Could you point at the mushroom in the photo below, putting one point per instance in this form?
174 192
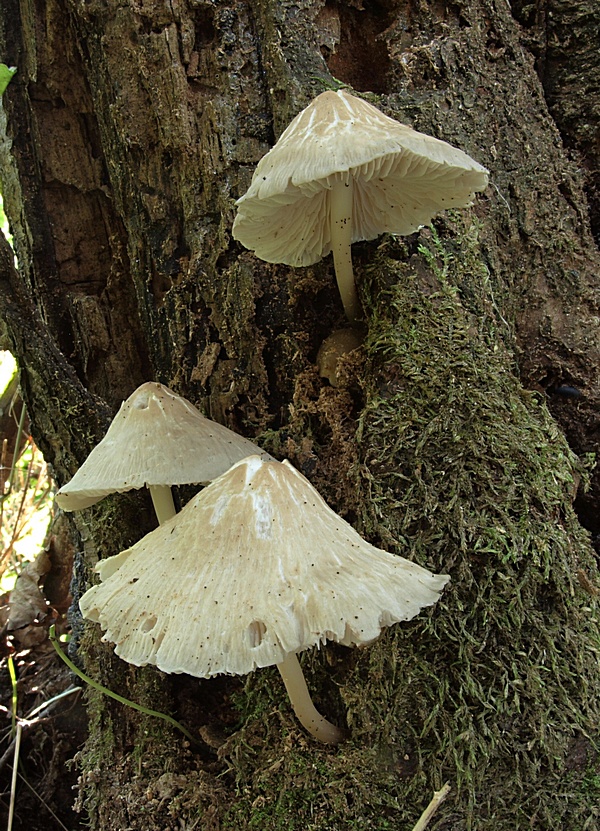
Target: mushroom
157 439
334 347
343 171
255 569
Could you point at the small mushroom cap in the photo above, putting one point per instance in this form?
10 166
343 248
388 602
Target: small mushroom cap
254 567
335 346
156 438
402 178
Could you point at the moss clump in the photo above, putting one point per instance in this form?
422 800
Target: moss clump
497 686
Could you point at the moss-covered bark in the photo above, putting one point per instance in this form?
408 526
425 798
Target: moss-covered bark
127 133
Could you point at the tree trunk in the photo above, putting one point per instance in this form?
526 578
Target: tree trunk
127 133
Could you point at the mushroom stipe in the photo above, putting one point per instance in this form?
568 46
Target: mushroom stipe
306 712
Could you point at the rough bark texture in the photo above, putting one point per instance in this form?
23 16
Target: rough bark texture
126 135
563 36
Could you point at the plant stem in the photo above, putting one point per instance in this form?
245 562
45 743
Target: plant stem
97 686
13 683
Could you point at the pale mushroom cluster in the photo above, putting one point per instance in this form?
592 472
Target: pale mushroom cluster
257 567
253 570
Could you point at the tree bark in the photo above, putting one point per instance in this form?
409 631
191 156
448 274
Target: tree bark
126 134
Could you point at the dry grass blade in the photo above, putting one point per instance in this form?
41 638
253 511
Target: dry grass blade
13 784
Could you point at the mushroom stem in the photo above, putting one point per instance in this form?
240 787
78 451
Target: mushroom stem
162 499
341 240
302 704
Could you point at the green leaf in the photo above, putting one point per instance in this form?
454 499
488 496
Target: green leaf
6 73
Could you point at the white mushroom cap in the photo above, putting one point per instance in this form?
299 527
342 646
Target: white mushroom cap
401 179
255 566
156 438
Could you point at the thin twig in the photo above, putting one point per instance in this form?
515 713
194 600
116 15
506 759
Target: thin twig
22 728
51 701
16 454
3 470
436 801
25 487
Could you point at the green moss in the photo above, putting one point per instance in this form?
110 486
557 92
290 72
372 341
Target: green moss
469 471
591 782
319 789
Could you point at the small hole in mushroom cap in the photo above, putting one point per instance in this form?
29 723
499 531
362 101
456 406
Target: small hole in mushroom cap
256 632
149 624
142 401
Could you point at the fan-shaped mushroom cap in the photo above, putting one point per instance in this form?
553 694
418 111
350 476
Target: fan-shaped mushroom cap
254 567
156 438
401 179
